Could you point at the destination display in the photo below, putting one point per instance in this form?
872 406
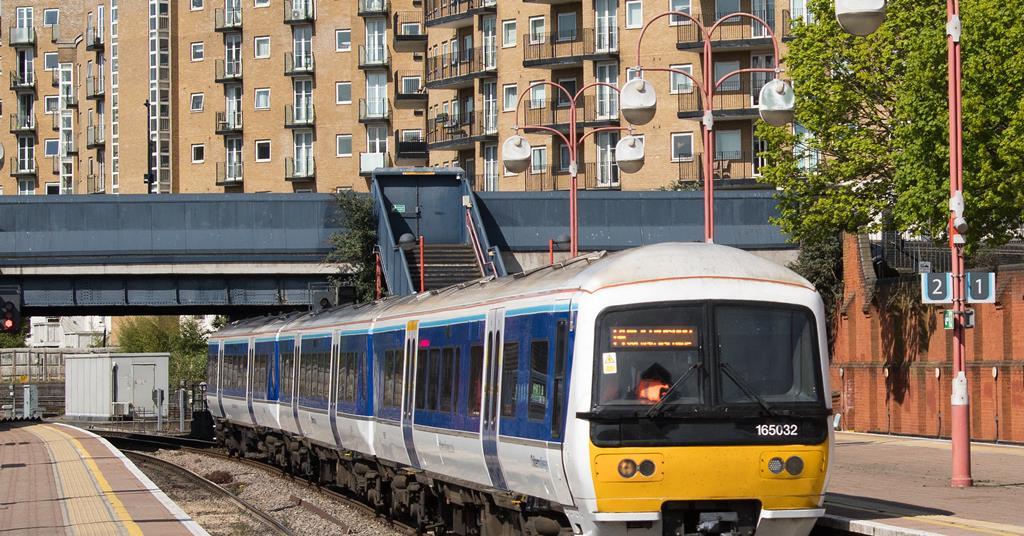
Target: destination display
650 337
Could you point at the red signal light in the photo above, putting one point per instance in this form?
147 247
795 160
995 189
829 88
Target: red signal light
8 324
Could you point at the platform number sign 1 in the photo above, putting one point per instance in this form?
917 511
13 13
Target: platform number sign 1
937 287
981 287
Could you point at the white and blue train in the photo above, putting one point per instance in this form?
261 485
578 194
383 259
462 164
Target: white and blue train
666 390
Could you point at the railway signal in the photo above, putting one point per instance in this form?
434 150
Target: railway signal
10 303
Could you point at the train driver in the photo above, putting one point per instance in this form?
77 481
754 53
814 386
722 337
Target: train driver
653 384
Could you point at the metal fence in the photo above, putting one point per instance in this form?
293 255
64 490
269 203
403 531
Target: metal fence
904 254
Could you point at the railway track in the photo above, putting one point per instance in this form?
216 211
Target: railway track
132 443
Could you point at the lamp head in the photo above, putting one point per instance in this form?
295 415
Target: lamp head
777 103
629 153
638 101
516 153
406 241
860 17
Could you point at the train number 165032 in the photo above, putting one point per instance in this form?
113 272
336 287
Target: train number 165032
777 429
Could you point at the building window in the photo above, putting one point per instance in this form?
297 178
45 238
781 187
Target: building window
343 40
343 93
537 30
723 68
51 147
632 73
508 33
510 94
570 86
410 28
344 145
682 146
263 98
538 94
53 188
198 153
680 83
679 5
51 103
51 17
197 101
566 26
564 158
198 51
728 145
261 45
263 150
412 135
27 187
538 159
50 61
197 5
410 84
634 14
261 3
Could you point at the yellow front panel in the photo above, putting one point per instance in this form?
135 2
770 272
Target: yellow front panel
708 473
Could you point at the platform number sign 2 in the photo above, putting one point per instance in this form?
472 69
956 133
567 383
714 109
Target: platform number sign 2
936 287
981 287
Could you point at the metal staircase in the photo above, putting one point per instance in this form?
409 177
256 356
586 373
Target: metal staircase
444 265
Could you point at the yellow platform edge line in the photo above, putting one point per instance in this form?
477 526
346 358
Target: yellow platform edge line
122 513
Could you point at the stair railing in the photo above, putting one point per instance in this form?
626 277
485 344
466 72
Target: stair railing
393 261
491 253
478 253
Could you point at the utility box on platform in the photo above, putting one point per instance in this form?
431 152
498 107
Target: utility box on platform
105 386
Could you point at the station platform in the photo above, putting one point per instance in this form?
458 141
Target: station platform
58 479
899 486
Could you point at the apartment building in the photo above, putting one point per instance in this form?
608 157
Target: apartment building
312 95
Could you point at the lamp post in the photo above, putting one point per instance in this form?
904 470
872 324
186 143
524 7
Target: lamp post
862 17
516 150
775 105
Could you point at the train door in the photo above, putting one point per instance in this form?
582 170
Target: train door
293 381
492 374
250 378
409 373
332 397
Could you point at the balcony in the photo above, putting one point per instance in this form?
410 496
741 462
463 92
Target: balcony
24 167
456 13
304 171
373 8
69 146
592 176
454 133
373 111
299 12
739 168
69 101
229 173
23 123
93 39
228 123
736 98
55 33
374 58
737 33
409 34
228 71
301 117
227 20
410 96
94 183
591 110
454 71
371 161
25 81
95 136
21 37
568 48
299 64
94 88
413 149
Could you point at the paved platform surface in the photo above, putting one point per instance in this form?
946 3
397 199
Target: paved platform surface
888 486
58 479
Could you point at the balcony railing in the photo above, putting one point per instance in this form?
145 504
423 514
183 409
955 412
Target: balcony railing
373 57
23 81
55 33
566 48
373 8
229 123
69 146
737 31
592 176
303 116
298 11
24 167
589 109
230 71
728 165
69 101
95 136
229 173
458 12
444 70
299 64
21 36
227 20
409 30
371 161
94 88
95 183
408 95
413 149
374 110
23 122
461 130
93 39
737 96
304 170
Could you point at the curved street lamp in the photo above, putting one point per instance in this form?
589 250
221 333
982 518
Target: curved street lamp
775 105
516 151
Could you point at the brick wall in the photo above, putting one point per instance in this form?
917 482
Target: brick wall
891 365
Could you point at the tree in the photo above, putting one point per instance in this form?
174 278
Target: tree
184 338
353 247
877 115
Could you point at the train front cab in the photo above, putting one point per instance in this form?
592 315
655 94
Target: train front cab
740 445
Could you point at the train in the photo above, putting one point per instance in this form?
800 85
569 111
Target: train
669 389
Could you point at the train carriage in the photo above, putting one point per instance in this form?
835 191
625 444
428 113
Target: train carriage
669 389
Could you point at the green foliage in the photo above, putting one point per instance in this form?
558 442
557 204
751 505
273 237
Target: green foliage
13 340
184 338
877 108
353 248
821 262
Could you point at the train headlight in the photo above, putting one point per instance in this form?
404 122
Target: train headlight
627 468
647 468
776 465
794 465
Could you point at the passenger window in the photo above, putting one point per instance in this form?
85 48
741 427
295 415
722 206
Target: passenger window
476 378
558 391
435 379
538 391
509 379
456 374
447 368
422 366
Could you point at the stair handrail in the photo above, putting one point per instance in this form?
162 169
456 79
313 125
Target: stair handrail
386 238
495 261
478 254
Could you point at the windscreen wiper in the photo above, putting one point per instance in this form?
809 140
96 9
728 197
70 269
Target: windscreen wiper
745 387
657 408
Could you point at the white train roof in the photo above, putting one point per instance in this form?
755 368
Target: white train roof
587 273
